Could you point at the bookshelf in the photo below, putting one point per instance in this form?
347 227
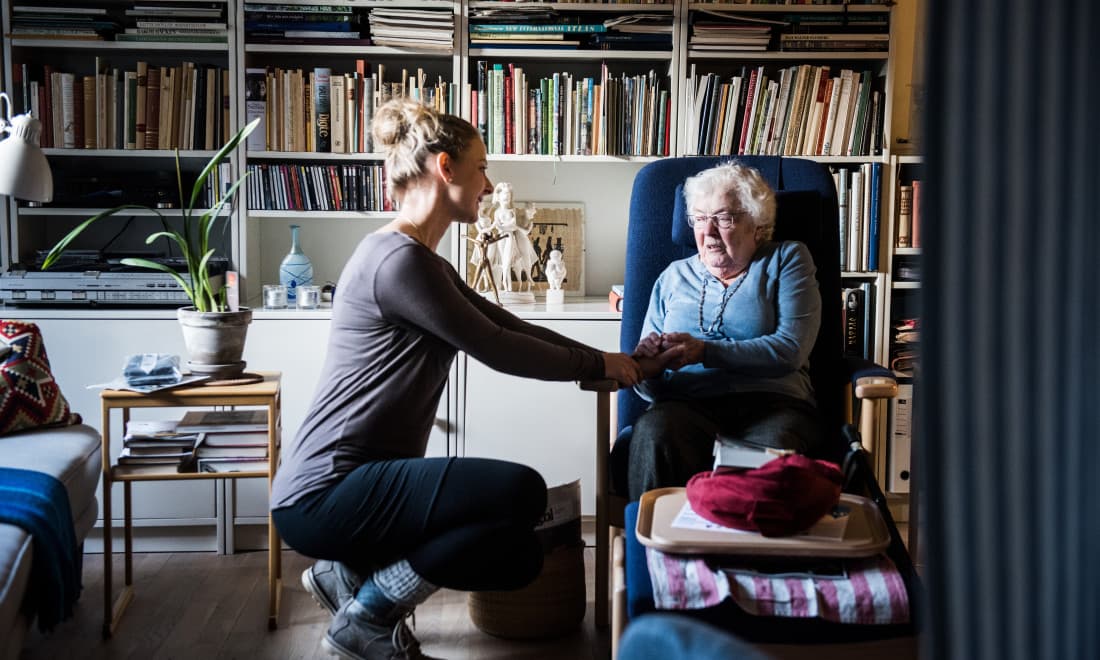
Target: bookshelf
257 239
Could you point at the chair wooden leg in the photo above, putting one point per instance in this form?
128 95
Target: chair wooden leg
618 593
603 522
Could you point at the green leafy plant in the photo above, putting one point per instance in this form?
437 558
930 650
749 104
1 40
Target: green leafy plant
193 239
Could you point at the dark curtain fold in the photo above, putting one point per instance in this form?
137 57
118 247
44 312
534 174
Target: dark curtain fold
1008 400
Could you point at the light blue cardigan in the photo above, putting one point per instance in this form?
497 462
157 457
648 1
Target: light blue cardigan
767 331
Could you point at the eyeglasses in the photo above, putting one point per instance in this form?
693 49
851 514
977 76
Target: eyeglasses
723 220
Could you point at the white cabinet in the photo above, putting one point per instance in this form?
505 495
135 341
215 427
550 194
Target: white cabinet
549 426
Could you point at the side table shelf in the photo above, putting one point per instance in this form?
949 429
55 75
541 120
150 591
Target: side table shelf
265 393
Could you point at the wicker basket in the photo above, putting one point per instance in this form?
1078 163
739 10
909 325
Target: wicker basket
551 606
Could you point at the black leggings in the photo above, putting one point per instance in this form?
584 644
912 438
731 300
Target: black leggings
462 523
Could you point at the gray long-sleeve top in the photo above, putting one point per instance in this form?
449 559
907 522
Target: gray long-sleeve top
401 314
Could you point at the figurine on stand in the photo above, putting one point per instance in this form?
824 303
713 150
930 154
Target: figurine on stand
484 252
516 252
555 276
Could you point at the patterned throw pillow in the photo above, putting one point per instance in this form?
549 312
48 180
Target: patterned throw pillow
29 395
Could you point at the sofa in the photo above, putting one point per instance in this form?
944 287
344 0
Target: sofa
72 455
50 464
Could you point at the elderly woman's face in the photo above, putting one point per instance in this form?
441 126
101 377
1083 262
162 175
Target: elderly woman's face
725 251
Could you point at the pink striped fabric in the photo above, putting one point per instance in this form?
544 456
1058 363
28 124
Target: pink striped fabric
872 593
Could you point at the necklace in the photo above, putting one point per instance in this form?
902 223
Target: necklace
715 327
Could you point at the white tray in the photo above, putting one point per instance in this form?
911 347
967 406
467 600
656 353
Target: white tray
864 535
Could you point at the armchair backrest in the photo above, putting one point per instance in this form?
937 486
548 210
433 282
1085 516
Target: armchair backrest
806 211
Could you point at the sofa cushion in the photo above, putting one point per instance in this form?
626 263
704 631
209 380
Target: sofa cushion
29 395
15 572
70 454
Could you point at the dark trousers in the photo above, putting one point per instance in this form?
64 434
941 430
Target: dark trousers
674 440
462 523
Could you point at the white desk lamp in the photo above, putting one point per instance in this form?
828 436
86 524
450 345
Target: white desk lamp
24 172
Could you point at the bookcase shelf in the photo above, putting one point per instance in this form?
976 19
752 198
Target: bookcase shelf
324 215
765 56
184 154
350 50
581 6
787 9
140 46
564 54
312 155
89 212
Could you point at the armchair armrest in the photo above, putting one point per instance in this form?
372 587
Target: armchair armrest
870 380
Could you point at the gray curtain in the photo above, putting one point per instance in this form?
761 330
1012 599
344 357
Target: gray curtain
1008 399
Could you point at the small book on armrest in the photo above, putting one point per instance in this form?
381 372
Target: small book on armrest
732 453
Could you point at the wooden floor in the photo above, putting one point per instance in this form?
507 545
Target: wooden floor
203 605
199 605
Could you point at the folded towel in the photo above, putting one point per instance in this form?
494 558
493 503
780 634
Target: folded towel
870 592
152 369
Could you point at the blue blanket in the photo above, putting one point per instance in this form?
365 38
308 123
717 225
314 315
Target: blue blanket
39 504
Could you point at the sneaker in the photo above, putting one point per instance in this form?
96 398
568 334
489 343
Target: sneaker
331 584
353 636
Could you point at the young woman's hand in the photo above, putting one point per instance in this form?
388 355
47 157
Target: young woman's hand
622 368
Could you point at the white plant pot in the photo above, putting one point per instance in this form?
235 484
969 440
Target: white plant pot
215 340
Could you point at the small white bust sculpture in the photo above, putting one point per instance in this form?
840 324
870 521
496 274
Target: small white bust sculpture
555 276
555 270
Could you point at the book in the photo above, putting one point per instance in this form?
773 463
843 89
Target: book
214 465
915 225
215 421
615 298
735 454
873 220
905 216
255 95
322 133
854 309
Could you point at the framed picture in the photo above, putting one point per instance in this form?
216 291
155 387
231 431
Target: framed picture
548 226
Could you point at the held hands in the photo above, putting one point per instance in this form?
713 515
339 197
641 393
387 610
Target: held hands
656 352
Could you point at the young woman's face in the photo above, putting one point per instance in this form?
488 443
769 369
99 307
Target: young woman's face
470 183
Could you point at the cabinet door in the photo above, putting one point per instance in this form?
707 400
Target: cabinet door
547 425
86 351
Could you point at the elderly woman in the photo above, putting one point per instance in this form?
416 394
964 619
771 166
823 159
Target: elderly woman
737 321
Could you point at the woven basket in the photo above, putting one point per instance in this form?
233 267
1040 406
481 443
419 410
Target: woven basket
551 606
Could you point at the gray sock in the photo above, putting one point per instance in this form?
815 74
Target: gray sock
391 592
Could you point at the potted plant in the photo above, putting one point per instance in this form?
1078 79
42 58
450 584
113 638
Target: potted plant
213 333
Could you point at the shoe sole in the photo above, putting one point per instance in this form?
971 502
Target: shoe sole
315 591
335 649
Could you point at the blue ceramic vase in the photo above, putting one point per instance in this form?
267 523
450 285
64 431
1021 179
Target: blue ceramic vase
296 269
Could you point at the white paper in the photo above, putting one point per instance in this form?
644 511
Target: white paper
688 519
121 384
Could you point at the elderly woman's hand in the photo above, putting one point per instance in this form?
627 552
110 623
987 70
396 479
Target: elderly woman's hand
654 366
648 346
682 349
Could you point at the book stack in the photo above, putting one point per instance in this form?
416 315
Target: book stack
233 440
905 346
159 444
732 36
187 22
291 24
69 23
420 28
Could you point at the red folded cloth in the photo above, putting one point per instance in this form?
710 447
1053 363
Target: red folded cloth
782 497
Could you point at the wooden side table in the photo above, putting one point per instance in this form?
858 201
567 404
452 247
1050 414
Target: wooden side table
265 393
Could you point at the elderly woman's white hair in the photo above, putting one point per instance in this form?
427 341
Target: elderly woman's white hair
743 186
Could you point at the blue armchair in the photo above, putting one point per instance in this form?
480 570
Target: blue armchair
806 211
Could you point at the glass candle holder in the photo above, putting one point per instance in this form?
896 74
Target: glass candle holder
309 296
274 296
